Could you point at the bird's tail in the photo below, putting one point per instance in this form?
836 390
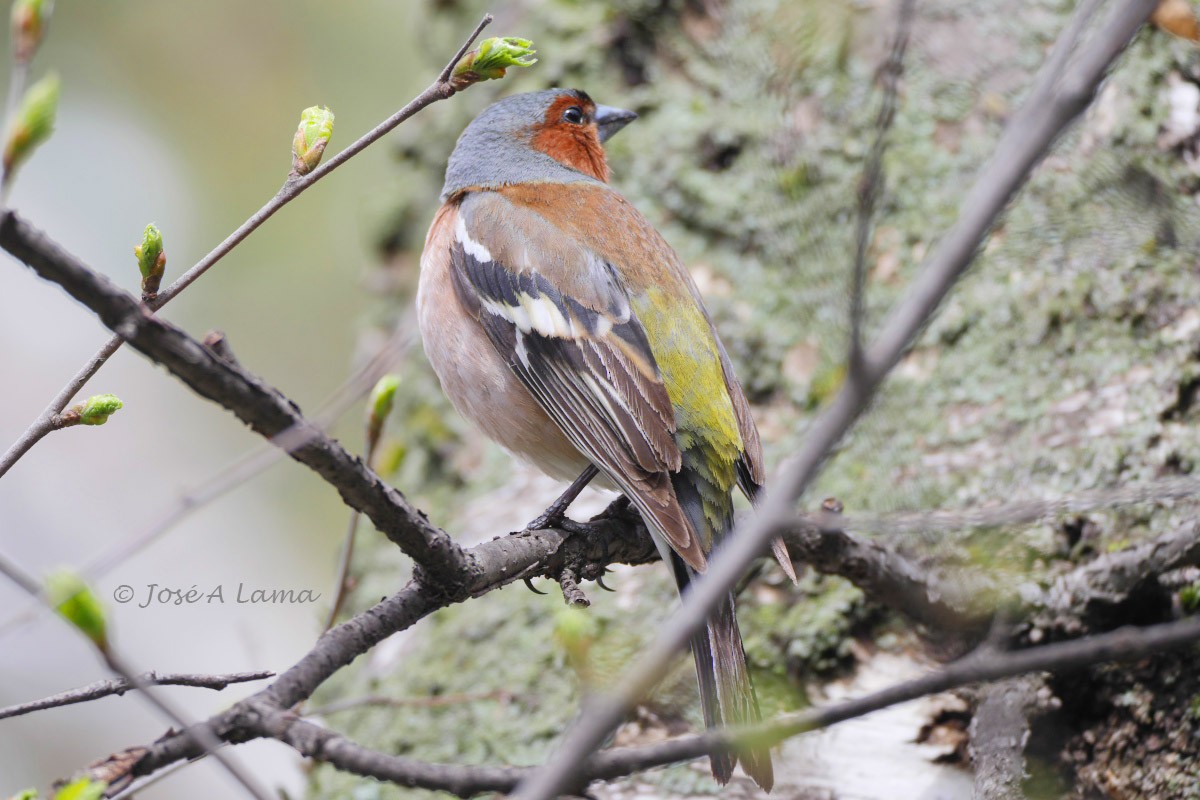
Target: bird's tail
725 690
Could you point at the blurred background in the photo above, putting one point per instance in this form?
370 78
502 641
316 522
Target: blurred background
1055 367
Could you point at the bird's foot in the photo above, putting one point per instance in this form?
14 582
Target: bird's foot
556 515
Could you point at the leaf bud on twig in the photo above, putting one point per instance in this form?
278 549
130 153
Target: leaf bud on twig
491 60
32 125
316 127
94 411
152 261
29 19
383 397
75 601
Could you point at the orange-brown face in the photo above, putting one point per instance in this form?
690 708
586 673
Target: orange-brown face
569 135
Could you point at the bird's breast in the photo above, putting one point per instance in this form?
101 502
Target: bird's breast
479 383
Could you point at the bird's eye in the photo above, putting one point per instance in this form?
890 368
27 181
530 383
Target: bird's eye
574 115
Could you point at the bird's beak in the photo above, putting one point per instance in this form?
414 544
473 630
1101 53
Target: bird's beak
610 120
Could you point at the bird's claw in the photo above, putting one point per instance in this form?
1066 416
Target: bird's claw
529 585
546 520
601 584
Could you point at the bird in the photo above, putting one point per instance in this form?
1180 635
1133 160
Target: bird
563 325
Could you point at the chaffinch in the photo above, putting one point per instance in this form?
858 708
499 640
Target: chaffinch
563 325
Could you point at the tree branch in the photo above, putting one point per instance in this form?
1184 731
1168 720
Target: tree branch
1021 512
872 182
94 691
885 576
261 407
292 188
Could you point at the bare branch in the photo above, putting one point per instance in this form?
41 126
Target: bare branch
1020 149
433 701
871 184
611 537
292 188
444 77
261 407
342 586
885 576
1020 512
94 691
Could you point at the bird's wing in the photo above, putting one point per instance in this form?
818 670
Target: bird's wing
562 318
605 224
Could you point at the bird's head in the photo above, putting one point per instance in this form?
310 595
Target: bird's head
556 135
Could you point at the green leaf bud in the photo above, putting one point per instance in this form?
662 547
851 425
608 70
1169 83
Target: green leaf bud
97 409
29 19
316 127
383 397
75 601
82 789
491 60
152 260
33 123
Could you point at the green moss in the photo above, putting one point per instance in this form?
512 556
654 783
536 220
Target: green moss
807 632
1189 598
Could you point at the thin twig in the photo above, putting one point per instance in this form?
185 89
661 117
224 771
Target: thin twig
94 691
1021 147
16 89
1019 512
872 183
433 701
444 75
342 582
134 789
292 188
342 586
